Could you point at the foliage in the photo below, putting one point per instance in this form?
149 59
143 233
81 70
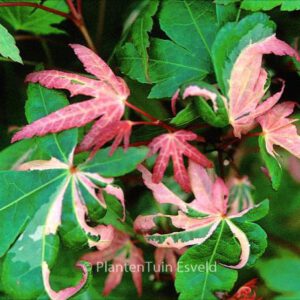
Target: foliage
187 89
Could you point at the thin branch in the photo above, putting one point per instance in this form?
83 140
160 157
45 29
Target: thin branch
76 16
101 18
35 5
79 7
151 118
87 36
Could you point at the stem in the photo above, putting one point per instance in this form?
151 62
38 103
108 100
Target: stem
155 123
253 134
86 36
140 111
101 17
79 7
137 144
79 22
74 12
30 4
75 16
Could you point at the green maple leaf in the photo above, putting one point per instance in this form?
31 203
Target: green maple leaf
53 201
34 20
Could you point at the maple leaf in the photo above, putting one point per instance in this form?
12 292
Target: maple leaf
247 83
118 131
246 292
240 196
194 90
108 93
64 199
175 145
199 219
168 255
279 130
83 188
122 252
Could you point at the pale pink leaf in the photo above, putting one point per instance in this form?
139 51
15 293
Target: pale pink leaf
220 196
247 81
53 163
161 193
136 259
196 221
174 100
55 212
279 130
122 252
114 277
202 186
194 90
169 255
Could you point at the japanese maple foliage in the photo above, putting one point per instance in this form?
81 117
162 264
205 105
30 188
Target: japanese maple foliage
175 145
196 174
122 252
108 93
279 130
199 219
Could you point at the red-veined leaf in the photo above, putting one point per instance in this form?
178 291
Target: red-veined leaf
175 145
108 94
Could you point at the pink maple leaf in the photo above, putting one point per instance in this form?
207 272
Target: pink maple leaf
194 90
209 210
122 252
175 145
279 130
170 256
68 292
246 292
247 84
118 131
108 94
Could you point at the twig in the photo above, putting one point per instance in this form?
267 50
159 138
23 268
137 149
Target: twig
75 16
30 4
101 18
151 118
